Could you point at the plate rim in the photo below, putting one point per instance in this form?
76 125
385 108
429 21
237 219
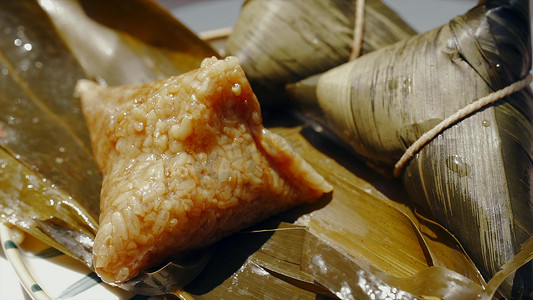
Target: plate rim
14 257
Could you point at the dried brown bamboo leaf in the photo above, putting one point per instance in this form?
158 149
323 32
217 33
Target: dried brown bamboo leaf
33 204
349 278
365 226
370 227
281 256
446 251
525 254
254 282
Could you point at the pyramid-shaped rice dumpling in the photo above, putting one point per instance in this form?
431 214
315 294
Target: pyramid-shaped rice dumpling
280 42
474 177
185 162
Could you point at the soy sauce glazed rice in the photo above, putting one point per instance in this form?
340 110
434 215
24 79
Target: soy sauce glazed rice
185 161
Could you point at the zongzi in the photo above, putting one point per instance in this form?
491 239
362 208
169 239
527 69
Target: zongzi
280 42
475 176
185 161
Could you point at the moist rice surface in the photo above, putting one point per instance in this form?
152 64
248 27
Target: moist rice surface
185 161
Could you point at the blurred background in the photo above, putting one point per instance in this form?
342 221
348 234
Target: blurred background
206 15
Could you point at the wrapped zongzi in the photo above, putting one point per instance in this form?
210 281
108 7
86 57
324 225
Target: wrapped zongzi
475 176
280 42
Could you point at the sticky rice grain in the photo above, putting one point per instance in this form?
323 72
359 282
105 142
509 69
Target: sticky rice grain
185 162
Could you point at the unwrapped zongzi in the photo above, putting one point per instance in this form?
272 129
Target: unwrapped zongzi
185 161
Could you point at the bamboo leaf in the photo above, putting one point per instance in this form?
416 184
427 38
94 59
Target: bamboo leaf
376 234
48 176
131 42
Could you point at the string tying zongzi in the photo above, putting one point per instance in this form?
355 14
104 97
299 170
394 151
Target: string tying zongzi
460 114
358 31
